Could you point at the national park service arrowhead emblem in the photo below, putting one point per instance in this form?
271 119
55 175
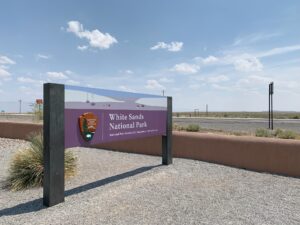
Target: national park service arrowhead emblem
87 125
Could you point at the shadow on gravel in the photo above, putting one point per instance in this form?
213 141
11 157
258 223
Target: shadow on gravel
37 204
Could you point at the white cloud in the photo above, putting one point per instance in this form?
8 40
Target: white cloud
4 66
186 68
242 62
153 84
69 72
248 63
72 82
125 88
26 90
218 79
254 38
252 83
57 75
194 86
29 80
96 38
176 89
129 71
279 51
82 47
41 56
5 60
166 80
260 79
210 60
207 61
4 73
221 87
173 46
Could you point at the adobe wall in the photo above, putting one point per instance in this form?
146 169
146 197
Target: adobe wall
259 154
18 130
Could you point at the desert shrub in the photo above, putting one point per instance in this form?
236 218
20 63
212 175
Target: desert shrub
261 132
192 128
177 127
27 166
286 134
278 132
238 133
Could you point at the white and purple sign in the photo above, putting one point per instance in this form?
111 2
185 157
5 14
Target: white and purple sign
94 116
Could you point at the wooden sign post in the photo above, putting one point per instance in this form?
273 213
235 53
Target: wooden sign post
56 135
54 144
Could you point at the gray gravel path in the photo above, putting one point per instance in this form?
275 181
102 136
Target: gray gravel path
121 188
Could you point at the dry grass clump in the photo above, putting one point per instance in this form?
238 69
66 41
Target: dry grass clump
192 128
27 166
261 132
189 128
285 134
278 133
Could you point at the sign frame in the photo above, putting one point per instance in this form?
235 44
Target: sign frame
54 142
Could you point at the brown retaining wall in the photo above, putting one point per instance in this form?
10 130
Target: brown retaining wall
18 130
259 154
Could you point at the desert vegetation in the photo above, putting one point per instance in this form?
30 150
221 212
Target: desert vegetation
277 115
278 133
27 167
261 132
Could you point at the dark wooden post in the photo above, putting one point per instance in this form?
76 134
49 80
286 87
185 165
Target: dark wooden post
167 157
54 144
271 92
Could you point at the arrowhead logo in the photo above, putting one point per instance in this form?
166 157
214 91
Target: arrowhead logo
87 125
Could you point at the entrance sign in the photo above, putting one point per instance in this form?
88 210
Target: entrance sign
121 116
81 116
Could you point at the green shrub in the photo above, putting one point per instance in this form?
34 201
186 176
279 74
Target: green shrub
278 132
261 132
192 128
286 134
27 167
177 127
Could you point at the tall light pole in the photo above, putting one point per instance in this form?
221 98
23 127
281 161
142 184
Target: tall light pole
163 92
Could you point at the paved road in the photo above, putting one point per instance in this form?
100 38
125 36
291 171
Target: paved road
239 124
225 124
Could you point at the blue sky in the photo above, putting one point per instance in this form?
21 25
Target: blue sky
221 53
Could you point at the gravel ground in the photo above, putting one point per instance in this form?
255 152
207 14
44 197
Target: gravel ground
121 188
239 124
